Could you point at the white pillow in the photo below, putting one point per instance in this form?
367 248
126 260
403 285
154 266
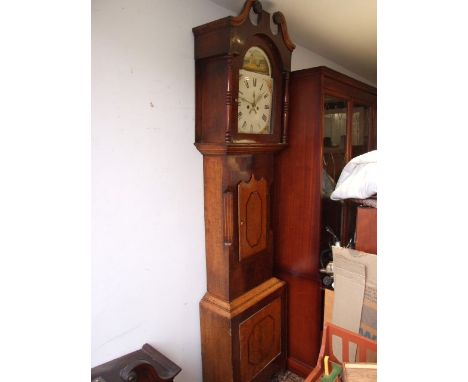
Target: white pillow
358 180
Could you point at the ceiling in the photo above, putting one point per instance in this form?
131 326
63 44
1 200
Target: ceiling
344 31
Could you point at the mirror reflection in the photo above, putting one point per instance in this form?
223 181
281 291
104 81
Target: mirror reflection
360 130
334 136
333 161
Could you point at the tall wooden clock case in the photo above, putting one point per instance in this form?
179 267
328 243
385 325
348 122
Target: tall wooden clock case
242 73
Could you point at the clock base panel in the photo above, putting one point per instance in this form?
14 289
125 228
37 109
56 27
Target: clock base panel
245 339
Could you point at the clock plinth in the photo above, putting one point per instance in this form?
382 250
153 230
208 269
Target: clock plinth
240 339
242 72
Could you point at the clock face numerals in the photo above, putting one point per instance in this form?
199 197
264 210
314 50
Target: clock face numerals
254 103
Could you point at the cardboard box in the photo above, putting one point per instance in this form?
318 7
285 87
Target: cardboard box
355 300
328 301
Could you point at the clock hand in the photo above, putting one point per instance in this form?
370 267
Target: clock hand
253 105
258 98
246 100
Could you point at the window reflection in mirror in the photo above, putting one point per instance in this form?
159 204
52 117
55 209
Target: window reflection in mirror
334 136
360 129
333 161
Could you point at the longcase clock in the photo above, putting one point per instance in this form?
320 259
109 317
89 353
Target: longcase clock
242 73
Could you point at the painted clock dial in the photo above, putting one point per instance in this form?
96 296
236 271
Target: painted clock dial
255 93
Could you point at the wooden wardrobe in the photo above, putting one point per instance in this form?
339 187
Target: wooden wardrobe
332 119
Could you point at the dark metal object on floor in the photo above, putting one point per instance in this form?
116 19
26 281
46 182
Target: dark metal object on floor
145 365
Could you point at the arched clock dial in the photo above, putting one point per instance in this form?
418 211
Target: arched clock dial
254 102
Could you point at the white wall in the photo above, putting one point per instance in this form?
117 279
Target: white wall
303 58
148 266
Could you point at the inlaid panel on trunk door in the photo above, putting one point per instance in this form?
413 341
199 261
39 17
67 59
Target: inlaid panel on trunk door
253 209
260 339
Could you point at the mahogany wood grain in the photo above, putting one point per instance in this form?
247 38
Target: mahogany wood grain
219 50
366 230
260 342
216 346
297 179
238 312
253 217
304 302
228 274
297 208
244 339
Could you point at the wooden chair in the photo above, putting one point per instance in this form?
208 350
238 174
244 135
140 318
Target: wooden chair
364 346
